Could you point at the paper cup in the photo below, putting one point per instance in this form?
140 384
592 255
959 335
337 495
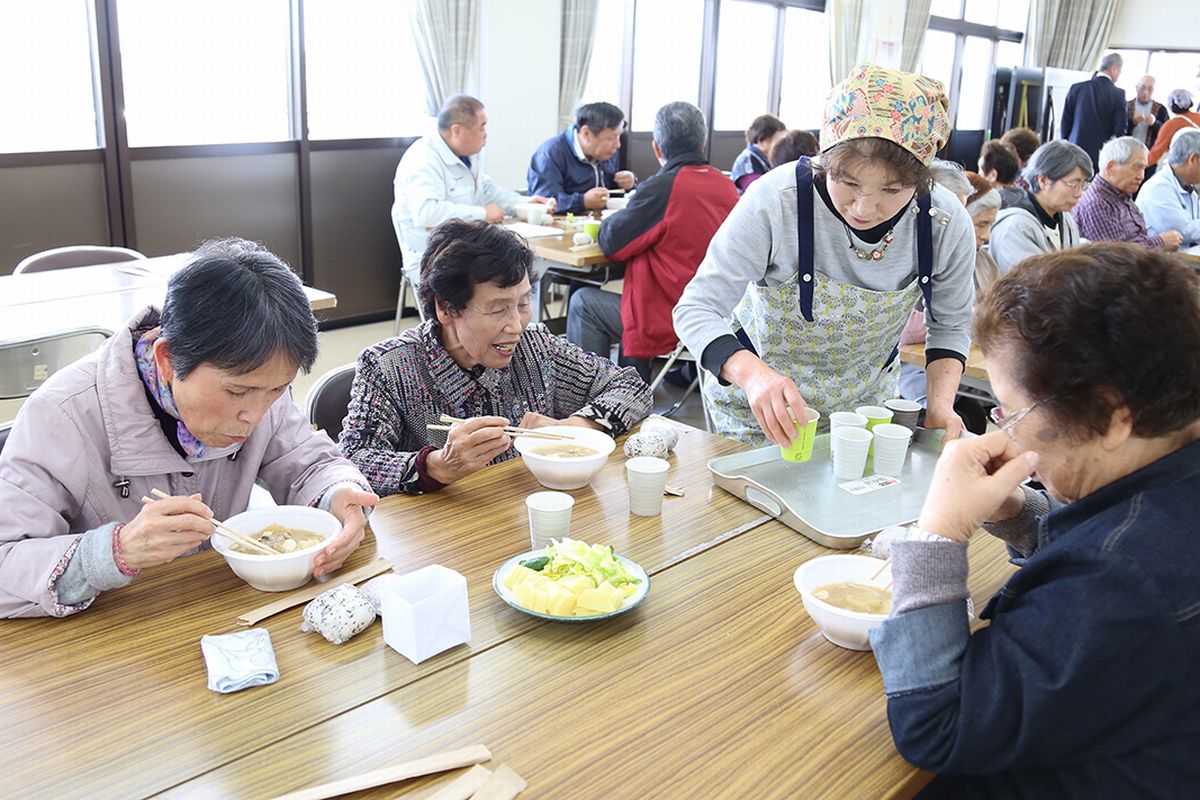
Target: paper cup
647 480
535 216
876 415
549 517
891 447
592 228
851 457
904 412
839 418
802 445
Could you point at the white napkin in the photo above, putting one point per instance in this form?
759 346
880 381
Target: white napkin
237 661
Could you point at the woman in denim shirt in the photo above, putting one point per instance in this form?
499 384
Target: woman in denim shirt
1084 683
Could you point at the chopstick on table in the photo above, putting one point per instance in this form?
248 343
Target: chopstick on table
223 529
509 429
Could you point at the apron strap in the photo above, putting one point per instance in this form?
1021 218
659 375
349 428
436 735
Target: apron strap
804 234
925 252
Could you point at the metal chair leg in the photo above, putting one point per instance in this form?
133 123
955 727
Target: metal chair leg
679 403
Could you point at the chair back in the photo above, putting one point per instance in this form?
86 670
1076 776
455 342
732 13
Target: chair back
25 365
80 255
329 399
5 427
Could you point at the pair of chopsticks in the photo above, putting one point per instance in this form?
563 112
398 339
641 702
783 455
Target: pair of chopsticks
512 430
223 530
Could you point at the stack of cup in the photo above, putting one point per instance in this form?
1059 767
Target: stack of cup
891 446
549 517
839 418
876 415
806 434
647 480
850 452
904 412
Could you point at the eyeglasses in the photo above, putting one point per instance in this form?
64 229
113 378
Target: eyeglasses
1006 423
1075 186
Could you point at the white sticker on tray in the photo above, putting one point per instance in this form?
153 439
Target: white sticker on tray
871 483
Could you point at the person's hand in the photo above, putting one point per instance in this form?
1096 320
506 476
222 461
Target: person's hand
625 179
973 479
347 505
493 213
470 446
1172 239
938 418
550 202
164 530
595 198
772 396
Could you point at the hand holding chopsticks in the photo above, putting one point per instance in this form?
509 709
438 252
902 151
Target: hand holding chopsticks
223 530
162 531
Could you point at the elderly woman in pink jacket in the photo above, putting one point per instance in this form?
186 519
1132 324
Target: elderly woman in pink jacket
192 400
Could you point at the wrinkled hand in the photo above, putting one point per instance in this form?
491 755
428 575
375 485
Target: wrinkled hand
595 198
1172 239
938 418
347 505
625 179
493 213
774 398
164 530
972 480
470 446
550 202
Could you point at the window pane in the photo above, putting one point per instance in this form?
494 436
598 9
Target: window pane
946 8
1173 71
205 73
937 57
46 98
666 56
363 74
1014 15
1010 54
604 71
745 54
981 11
1134 69
973 95
805 85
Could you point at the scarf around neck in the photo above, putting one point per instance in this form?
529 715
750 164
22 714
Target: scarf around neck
160 390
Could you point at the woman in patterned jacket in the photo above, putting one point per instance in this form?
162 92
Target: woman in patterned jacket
478 359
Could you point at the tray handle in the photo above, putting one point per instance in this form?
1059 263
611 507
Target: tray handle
764 500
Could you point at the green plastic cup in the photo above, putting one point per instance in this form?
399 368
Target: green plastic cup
802 445
592 228
876 415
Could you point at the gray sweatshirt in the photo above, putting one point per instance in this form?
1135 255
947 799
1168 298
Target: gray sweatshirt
758 243
1020 231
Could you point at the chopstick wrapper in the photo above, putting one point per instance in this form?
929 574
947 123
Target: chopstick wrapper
425 612
237 661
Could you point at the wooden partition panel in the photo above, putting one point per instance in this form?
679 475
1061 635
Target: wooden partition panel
50 205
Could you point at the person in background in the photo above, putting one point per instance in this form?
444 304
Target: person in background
1026 142
950 175
792 145
579 167
1146 115
1183 118
1058 174
1106 212
1083 682
1094 110
661 236
438 178
999 164
192 400
755 160
476 357
983 204
1168 201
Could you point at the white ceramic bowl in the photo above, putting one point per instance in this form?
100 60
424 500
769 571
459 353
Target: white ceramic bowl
284 571
522 209
617 203
844 628
554 472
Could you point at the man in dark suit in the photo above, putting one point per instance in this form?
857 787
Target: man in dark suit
1095 109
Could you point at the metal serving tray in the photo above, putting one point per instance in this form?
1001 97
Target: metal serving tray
807 496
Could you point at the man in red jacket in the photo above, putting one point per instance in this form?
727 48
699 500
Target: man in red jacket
662 235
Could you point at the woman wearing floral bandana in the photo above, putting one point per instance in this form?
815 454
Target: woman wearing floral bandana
192 400
807 286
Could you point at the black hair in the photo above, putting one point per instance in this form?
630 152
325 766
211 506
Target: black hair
235 306
599 116
462 253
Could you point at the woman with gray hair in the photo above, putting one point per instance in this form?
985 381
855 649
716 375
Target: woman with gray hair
1041 222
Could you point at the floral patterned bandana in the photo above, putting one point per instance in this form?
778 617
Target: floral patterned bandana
875 102
160 390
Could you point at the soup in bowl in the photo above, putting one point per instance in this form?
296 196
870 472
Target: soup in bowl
835 588
565 464
299 531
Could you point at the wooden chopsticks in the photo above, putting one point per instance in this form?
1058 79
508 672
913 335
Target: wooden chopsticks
512 430
224 530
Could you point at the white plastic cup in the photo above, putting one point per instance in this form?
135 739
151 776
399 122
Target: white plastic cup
850 458
549 517
904 412
891 447
535 215
647 480
837 419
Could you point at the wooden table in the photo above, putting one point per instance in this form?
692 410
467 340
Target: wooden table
718 685
103 296
975 372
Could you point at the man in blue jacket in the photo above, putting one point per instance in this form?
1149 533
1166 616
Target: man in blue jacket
578 167
1094 111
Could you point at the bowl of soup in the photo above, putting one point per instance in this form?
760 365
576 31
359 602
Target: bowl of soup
842 598
568 463
297 532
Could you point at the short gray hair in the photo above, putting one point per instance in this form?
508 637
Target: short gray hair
1111 60
1184 145
951 176
459 109
1120 149
986 201
1055 160
679 128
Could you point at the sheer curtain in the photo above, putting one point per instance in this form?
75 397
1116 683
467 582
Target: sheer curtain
845 25
1072 35
446 33
916 21
578 31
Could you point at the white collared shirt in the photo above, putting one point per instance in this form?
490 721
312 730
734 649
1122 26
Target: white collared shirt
1168 205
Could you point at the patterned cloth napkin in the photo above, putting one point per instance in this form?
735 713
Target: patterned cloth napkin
237 661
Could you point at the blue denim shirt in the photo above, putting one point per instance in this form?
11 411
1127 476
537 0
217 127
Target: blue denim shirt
1085 684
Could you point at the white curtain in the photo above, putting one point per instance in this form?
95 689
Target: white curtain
1069 34
446 33
845 18
578 30
916 22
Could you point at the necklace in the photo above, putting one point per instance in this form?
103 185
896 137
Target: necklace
877 253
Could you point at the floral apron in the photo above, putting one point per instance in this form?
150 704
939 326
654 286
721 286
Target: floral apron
834 348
